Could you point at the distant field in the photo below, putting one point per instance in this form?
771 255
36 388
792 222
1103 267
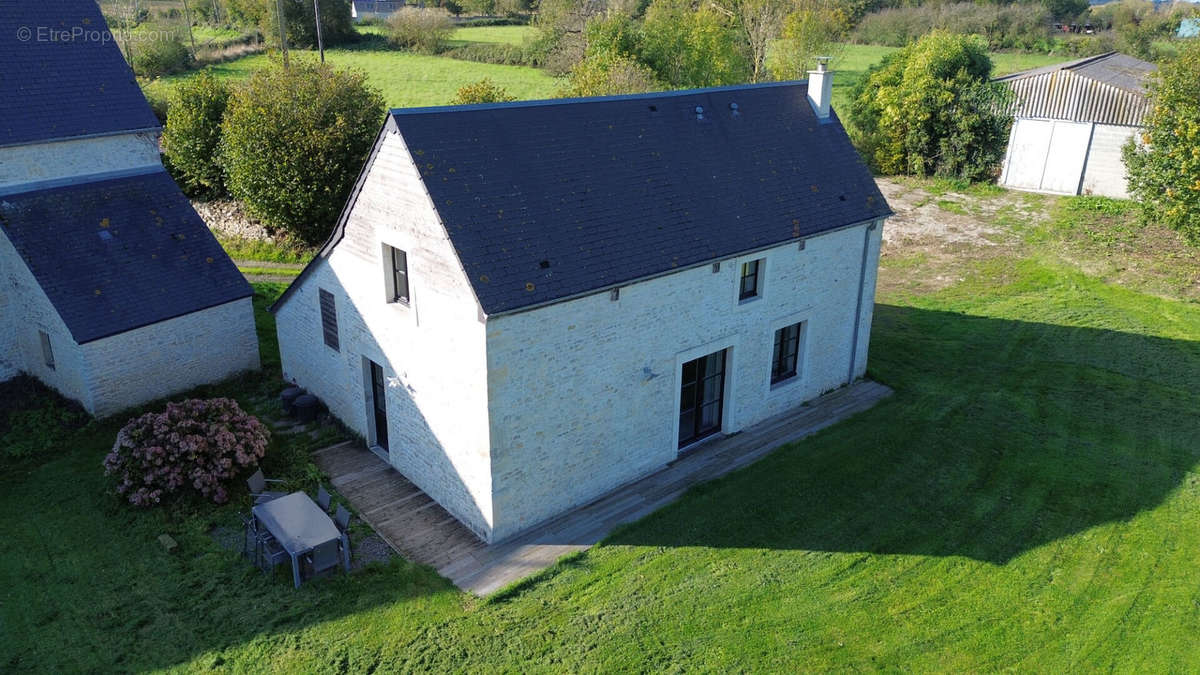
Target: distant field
853 61
405 79
512 35
410 80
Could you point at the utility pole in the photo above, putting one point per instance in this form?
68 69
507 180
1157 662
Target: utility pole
320 40
282 32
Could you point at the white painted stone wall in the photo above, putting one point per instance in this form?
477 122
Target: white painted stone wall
170 357
584 395
75 158
1105 172
26 310
432 350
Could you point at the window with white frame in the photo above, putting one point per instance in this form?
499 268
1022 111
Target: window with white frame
785 360
751 280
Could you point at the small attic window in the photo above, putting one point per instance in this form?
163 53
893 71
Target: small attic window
47 349
653 108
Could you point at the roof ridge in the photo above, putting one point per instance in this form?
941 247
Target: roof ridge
655 95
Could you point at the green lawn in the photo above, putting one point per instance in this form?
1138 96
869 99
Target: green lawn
405 79
1028 499
511 35
852 62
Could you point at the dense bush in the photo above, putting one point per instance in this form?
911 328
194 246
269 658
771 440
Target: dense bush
931 109
1015 26
293 141
483 91
1164 174
160 56
193 446
191 140
421 29
609 75
497 53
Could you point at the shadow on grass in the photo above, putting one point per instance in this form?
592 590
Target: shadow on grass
1002 436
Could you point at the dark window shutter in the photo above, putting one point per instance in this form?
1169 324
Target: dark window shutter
329 319
47 350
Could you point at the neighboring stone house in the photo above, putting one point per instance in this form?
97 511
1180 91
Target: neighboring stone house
527 305
375 10
1071 121
112 290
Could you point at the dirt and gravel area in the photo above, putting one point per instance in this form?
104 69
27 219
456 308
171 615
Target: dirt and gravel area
940 234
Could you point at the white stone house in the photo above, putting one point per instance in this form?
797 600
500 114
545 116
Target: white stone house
527 305
1070 123
112 289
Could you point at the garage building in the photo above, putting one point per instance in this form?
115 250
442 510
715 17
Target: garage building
1071 121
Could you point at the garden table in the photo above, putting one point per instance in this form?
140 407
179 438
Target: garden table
299 525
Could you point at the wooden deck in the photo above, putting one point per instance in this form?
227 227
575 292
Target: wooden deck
422 531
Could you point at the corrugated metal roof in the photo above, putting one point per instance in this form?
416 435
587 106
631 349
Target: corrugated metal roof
1106 89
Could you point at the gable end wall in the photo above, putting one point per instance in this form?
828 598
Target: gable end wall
431 351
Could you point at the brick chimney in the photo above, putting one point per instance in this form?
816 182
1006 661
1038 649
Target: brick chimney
820 88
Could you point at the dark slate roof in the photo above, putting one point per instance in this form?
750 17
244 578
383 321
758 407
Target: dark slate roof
63 75
551 199
1113 68
119 254
546 200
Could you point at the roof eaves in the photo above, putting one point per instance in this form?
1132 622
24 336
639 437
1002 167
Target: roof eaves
247 294
657 95
702 263
80 137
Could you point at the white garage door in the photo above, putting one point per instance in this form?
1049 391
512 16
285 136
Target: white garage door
1047 156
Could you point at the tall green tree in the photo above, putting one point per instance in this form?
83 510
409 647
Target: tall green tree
694 46
931 109
293 142
814 28
1164 169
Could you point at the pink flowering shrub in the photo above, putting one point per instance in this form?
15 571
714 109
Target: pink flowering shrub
196 445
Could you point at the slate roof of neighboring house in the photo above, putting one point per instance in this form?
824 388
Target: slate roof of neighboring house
1113 68
119 254
63 75
546 200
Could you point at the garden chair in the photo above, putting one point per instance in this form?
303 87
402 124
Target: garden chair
323 498
258 488
271 553
323 559
342 519
250 537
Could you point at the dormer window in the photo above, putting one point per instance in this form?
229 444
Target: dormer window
397 267
750 280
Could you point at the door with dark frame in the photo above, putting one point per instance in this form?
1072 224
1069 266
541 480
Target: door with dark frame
701 397
379 404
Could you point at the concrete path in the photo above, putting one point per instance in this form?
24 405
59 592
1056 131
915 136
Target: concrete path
422 531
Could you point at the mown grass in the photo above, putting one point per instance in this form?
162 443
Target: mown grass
405 79
1028 499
